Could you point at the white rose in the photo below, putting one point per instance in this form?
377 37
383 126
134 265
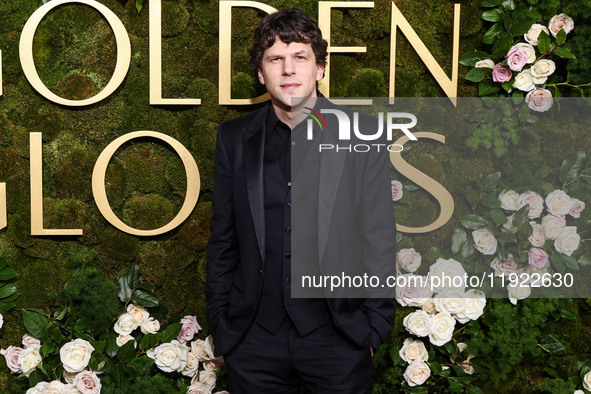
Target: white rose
203 349
543 68
408 259
539 100
198 388
587 381
170 357
535 201
568 241
38 389
208 379
487 63
55 387
417 373
75 355
505 268
450 300
578 392
29 340
534 32
442 329
29 358
397 190
412 290
552 226
413 350
69 376
561 21
418 323
558 203
446 271
576 208
537 237
475 301
529 49
150 326
88 383
192 365
524 81
125 324
484 241
519 291
214 365
71 389
11 354
508 225
138 312
508 199
123 339
429 307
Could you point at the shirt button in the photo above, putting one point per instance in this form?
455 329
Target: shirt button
254 307
287 280
287 255
260 272
293 142
289 203
288 229
288 183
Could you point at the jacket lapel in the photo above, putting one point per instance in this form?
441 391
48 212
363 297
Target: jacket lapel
254 146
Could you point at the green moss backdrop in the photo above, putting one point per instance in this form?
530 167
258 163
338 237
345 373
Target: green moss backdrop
75 54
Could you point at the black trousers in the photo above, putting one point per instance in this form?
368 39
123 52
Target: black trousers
319 362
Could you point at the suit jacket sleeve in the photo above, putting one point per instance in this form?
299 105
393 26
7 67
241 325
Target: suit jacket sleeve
222 248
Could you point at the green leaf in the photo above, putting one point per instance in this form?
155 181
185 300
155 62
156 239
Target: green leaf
6 306
570 262
506 237
502 253
491 34
125 290
139 5
476 74
498 217
502 46
99 346
3 262
436 252
571 167
435 367
521 27
7 290
564 53
473 222
584 261
458 239
557 263
551 344
544 44
566 314
144 298
474 390
521 216
142 364
127 352
171 332
133 277
35 323
491 181
525 231
490 201
111 347
472 195
561 37
494 15
471 58
490 3
485 88
7 273
149 341
47 347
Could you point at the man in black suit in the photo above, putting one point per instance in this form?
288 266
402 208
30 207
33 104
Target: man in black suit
271 342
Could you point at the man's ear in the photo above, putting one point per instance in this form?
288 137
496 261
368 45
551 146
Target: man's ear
319 72
261 77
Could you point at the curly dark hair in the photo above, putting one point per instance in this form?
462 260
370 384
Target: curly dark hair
290 25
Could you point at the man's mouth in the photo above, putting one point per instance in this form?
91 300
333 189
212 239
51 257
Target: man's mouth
290 85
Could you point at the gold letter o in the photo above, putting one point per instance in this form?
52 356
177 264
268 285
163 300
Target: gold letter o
28 64
100 194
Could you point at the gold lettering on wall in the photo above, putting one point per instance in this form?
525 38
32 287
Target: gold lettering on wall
1 91
28 64
100 193
36 158
155 16
324 8
225 59
3 218
443 197
449 86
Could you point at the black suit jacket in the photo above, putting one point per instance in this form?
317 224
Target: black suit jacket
236 248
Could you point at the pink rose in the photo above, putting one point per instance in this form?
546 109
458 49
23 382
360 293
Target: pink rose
576 208
11 354
516 58
537 258
535 201
410 292
501 74
198 388
87 383
396 190
29 340
561 21
504 268
190 328
539 100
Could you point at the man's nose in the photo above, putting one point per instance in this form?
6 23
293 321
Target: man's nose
288 67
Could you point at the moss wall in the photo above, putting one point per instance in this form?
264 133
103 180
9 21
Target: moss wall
74 52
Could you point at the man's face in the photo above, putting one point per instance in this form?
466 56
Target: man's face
290 70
